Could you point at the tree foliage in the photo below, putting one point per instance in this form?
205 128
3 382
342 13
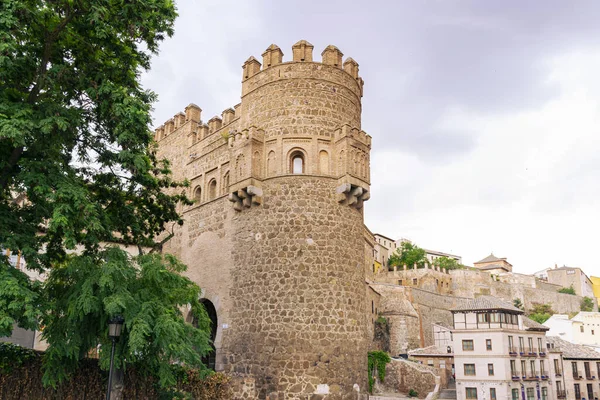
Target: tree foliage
587 304
447 263
541 312
408 254
518 304
148 291
75 143
569 290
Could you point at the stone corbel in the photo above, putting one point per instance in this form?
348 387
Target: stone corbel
246 197
352 195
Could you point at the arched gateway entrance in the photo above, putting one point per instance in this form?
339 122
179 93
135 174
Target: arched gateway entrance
210 358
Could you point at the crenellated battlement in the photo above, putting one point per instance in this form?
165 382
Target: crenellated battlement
302 52
346 131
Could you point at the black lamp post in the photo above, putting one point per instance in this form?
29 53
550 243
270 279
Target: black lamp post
114 331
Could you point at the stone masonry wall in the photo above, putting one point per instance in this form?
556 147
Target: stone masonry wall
402 376
299 292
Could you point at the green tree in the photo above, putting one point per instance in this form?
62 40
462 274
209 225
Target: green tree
541 312
569 290
408 254
587 304
447 263
78 168
518 304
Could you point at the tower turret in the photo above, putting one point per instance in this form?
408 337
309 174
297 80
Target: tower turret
276 238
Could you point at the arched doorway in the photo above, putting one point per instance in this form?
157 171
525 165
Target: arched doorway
210 359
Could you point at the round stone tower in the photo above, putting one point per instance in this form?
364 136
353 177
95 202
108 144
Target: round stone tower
277 239
302 170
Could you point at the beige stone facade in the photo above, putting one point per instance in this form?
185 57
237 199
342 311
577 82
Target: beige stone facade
276 238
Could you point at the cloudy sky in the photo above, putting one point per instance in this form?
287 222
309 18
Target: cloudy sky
485 115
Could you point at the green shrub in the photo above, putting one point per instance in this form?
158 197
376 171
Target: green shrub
377 361
569 290
412 393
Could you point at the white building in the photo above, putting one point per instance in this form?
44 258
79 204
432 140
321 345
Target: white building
385 247
583 328
499 353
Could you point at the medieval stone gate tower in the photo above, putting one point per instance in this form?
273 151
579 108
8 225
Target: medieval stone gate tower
276 238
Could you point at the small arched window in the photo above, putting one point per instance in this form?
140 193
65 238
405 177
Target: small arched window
212 189
297 162
198 194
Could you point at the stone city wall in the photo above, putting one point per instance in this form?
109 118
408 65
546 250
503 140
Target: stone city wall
401 376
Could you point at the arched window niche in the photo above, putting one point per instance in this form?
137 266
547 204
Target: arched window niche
297 162
212 189
198 194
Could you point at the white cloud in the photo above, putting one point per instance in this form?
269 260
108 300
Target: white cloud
530 190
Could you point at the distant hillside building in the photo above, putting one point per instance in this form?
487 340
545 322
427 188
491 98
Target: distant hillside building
569 276
385 247
596 287
493 265
582 329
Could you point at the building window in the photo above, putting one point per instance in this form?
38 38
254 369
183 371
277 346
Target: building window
510 344
577 391
471 393
592 331
523 367
556 367
540 347
469 369
530 342
297 162
581 328
430 363
532 368
515 394
521 344
590 391
488 344
530 394
575 371
542 368
513 368
544 393
491 369
492 393
483 317
400 282
415 281
586 368
467 345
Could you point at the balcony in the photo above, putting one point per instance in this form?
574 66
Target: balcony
516 375
513 351
532 377
577 377
561 394
590 377
558 372
522 351
544 376
530 353
542 352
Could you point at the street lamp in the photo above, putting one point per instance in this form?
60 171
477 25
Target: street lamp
114 331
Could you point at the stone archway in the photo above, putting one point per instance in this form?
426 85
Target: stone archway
210 359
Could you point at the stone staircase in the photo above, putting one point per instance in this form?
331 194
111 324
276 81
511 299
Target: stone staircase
449 393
